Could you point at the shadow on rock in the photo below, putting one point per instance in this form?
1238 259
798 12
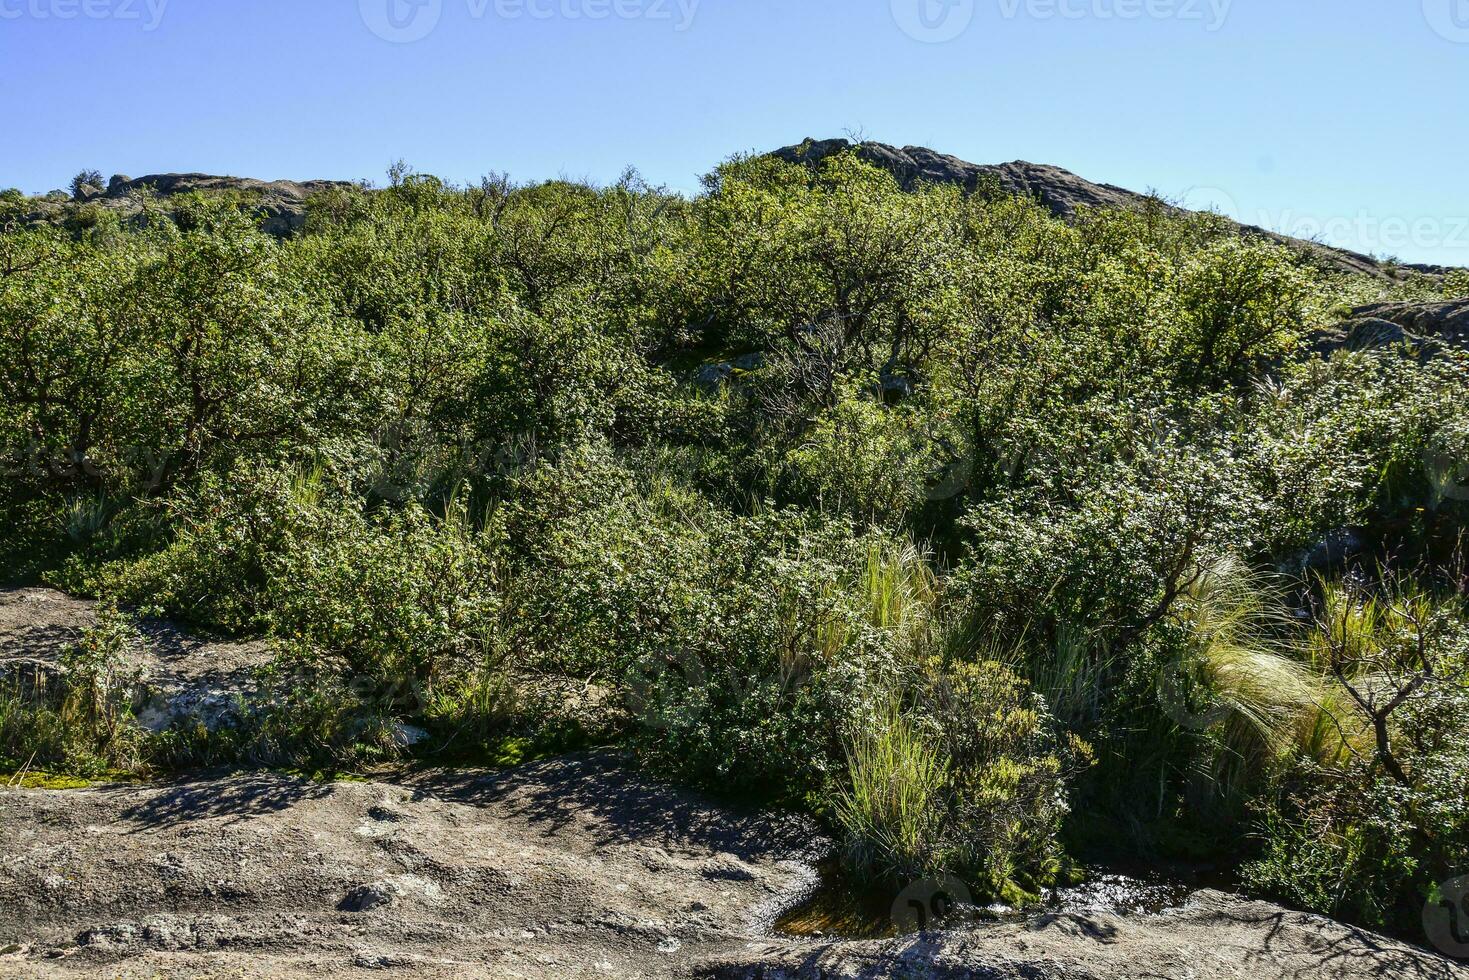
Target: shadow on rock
597 789
244 796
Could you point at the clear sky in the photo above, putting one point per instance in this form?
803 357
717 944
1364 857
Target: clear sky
1344 118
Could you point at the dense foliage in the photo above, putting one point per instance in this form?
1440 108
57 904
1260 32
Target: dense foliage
980 534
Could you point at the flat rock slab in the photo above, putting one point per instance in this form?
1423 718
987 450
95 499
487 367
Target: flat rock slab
572 867
1214 937
567 868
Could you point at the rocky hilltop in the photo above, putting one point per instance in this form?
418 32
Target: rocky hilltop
1062 191
282 203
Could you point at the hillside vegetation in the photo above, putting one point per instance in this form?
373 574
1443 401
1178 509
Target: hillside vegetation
986 537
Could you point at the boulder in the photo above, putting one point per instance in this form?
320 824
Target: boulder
1444 322
711 377
1425 327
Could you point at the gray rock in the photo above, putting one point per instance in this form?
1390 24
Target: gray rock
182 679
365 898
565 867
894 386
281 204
1427 328
1214 937
711 377
1442 322
1335 547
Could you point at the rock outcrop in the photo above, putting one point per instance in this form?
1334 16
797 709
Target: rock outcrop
1062 191
280 203
1446 322
1428 327
1213 937
573 867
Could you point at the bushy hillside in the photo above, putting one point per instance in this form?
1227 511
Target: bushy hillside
983 535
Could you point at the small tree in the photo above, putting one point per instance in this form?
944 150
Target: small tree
86 183
1386 651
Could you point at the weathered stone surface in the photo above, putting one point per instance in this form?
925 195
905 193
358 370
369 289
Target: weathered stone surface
1446 322
280 203
573 867
1425 327
1214 937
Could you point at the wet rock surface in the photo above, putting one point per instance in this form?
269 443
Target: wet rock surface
1213 937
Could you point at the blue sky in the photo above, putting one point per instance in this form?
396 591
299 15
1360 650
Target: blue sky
1343 118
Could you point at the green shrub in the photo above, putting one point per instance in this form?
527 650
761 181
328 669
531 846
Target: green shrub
404 598
971 781
287 437
892 812
80 723
230 534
